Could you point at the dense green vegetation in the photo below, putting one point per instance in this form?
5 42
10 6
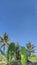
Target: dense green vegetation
12 53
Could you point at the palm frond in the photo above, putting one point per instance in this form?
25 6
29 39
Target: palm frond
2 52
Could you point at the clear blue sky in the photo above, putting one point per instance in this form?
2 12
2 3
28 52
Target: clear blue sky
19 19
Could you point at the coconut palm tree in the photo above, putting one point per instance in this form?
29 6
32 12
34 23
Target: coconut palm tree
30 48
4 41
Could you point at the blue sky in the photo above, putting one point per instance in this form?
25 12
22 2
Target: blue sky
19 19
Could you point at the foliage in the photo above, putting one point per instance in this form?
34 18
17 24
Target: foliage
16 54
32 58
16 62
4 41
23 56
17 51
10 52
30 48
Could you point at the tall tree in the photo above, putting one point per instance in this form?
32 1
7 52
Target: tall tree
10 51
4 41
30 48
